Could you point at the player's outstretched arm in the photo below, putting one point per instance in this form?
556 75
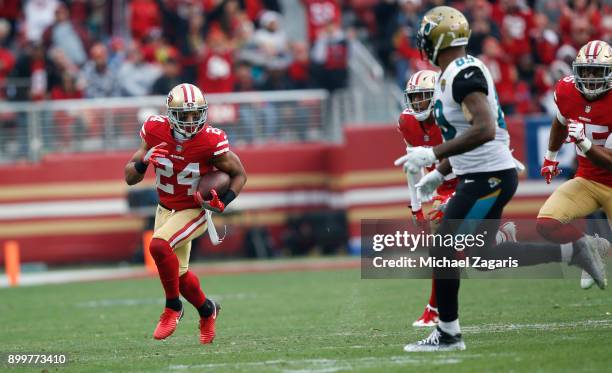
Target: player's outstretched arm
557 136
482 129
132 175
229 163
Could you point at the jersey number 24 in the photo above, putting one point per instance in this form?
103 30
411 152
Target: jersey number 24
189 176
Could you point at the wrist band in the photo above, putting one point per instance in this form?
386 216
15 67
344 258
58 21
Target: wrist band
141 167
551 155
228 197
584 145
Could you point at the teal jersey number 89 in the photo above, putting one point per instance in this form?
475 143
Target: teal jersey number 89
448 131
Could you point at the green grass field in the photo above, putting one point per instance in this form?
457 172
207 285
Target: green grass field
311 321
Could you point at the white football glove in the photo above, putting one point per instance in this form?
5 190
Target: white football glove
576 134
428 184
416 158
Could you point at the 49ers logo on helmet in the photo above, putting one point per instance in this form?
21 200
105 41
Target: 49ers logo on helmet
170 98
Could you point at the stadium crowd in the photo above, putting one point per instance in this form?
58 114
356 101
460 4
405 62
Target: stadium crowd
52 49
72 49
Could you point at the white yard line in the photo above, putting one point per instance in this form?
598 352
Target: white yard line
330 365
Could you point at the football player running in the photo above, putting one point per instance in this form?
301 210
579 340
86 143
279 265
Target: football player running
477 150
583 117
182 147
418 128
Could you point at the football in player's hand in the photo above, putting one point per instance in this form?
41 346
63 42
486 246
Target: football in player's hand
217 180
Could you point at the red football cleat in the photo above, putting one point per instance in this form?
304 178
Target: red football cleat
428 318
168 321
207 325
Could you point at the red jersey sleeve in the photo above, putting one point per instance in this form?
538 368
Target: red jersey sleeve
403 126
215 142
561 97
153 128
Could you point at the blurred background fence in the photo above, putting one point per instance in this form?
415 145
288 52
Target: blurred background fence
29 130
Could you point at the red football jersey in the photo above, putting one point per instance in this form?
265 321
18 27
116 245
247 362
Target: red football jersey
319 13
179 174
597 124
416 134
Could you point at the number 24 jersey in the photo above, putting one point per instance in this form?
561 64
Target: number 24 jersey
179 173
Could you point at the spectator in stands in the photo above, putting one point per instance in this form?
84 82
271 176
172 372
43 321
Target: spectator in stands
22 70
330 57
192 48
581 32
9 11
407 57
98 79
502 71
170 77
544 40
156 48
67 89
7 59
215 71
95 16
479 15
515 20
226 17
117 53
136 76
57 66
550 8
39 14
271 41
606 27
63 34
385 13
587 10
244 78
175 18
299 69
276 78
144 17
319 13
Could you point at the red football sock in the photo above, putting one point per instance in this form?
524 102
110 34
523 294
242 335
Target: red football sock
167 266
432 298
189 285
557 232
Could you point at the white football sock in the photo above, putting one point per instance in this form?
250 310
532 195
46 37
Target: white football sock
567 251
450 327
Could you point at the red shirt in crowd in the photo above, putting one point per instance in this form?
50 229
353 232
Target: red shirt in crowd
215 72
144 16
319 13
515 27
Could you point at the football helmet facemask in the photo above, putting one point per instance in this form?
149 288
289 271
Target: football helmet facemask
442 27
418 95
593 69
187 109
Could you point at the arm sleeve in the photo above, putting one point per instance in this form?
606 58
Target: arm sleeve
147 132
221 143
560 116
469 80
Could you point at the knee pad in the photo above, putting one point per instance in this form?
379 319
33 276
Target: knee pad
159 249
